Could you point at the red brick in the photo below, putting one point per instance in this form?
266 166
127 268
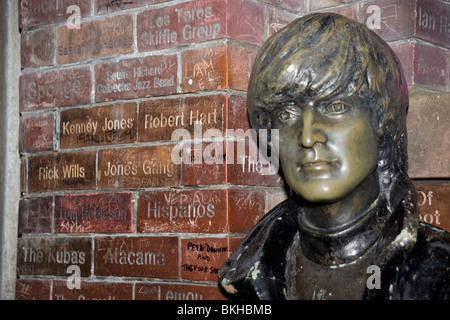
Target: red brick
36 132
350 11
150 257
427 124
163 291
106 125
98 212
273 198
183 211
202 258
52 256
104 6
315 5
296 5
425 19
35 215
158 119
60 171
93 291
220 67
95 39
199 21
246 207
137 168
278 19
423 64
434 202
135 78
40 12
32 289
55 88
37 48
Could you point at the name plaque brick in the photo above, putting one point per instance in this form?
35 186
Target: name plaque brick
55 88
134 78
37 48
112 124
139 167
158 119
95 39
162 291
40 12
182 211
433 203
202 258
93 291
151 257
199 21
101 212
104 6
59 171
52 256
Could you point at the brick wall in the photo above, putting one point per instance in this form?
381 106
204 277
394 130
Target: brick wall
99 105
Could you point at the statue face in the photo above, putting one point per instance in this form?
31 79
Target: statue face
327 147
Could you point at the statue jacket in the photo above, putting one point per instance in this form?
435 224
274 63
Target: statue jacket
414 263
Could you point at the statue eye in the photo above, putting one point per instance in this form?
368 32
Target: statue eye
285 115
336 108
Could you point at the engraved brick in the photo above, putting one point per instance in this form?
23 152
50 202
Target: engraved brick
35 215
397 19
37 48
273 198
423 64
93 291
55 88
133 78
246 207
159 118
434 202
30 289
202 258
163 291
199 21
150 257
59 171
99 212
52 256
40 12
106 125
427 124
36 132
350 11
296 5
95 39
137 168
315 5
278 19
105 6
218 67
182 211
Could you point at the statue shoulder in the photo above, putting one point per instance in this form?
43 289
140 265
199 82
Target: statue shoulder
256 268
425 271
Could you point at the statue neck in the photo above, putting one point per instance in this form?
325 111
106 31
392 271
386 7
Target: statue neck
342 232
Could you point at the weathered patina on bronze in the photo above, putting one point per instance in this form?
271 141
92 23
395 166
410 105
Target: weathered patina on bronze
337 95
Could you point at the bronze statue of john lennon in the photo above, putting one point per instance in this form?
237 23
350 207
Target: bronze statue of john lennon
337 95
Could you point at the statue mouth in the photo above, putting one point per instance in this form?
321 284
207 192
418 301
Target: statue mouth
318 165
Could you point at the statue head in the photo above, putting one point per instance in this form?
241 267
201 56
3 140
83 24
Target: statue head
337 94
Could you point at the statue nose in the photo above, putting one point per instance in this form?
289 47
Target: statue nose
310 135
